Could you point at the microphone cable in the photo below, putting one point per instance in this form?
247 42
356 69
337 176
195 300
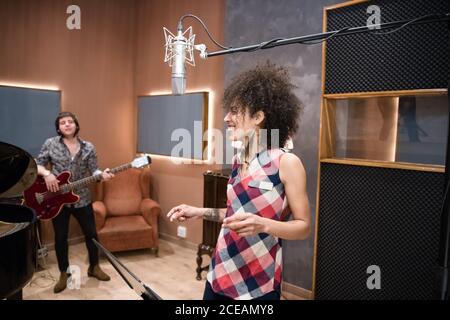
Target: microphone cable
269 44
429 16
180 24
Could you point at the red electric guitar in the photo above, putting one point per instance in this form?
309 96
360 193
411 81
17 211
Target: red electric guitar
48 204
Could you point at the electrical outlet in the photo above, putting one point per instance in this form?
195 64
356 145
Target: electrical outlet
181 232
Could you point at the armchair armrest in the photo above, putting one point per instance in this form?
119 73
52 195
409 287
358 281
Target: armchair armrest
150 210
99 214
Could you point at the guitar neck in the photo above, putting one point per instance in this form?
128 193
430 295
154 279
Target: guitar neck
88 180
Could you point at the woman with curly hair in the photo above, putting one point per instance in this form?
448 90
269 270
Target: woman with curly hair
266 195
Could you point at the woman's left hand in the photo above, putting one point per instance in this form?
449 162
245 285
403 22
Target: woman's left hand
245 224
107 175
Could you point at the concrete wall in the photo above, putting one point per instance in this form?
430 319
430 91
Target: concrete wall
254 21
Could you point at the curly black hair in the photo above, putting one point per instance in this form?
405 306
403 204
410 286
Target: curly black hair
266 88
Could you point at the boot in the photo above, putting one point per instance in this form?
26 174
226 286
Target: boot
62 282
96 272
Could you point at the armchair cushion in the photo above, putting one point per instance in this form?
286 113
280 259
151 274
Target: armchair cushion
120 232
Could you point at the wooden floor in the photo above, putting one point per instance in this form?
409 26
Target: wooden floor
171 275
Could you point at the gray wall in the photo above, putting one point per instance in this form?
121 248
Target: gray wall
254 21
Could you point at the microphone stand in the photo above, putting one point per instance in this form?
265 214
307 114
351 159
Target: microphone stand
442 269
131 280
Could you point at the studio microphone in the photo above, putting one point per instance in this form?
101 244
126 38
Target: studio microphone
179 51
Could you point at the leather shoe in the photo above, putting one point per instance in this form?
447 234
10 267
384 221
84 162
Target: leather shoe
62 282
96 272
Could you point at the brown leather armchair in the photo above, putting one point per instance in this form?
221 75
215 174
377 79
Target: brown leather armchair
125 216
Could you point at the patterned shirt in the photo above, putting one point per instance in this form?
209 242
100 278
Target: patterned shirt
248 267
83 164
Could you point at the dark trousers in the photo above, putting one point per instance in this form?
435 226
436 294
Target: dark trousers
85 217
209 294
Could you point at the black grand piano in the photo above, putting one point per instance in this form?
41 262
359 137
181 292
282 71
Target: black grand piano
18 245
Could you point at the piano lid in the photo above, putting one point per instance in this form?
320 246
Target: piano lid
7 228
18 170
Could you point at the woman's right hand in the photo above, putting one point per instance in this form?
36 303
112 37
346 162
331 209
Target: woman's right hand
52 183
184 212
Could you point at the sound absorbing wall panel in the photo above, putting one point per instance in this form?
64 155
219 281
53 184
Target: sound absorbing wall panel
415 57
27 115
381 217
173 125
378 217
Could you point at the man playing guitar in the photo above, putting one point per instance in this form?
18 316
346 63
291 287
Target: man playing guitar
68 152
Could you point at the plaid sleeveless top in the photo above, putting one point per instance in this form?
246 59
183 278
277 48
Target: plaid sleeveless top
245 268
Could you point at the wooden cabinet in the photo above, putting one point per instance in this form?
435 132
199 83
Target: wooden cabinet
214 196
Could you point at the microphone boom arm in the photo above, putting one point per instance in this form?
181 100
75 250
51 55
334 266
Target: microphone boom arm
329 34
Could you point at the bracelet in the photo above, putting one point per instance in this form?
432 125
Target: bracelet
45 175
